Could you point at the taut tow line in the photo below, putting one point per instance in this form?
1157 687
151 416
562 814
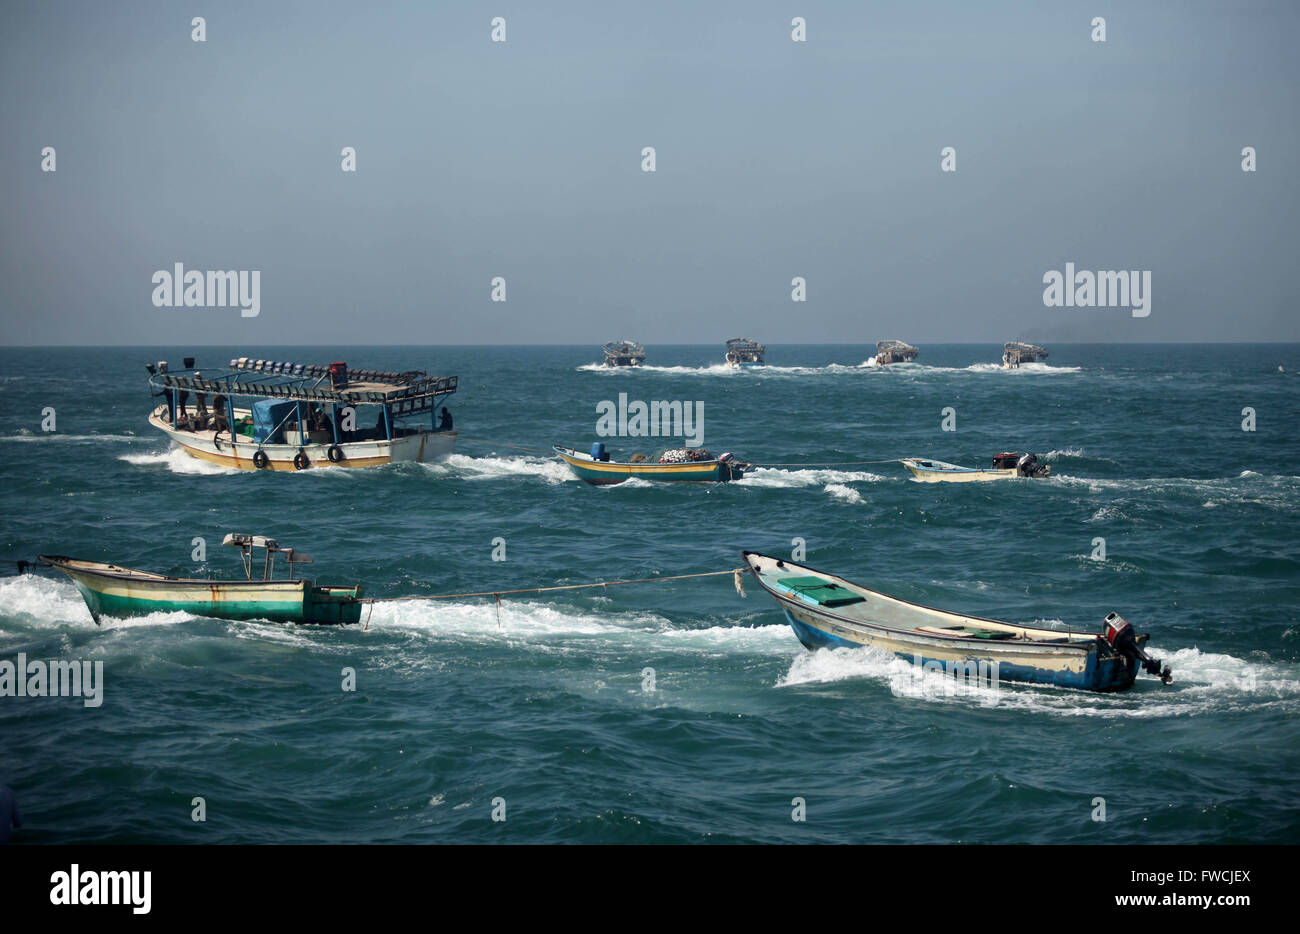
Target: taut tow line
496 595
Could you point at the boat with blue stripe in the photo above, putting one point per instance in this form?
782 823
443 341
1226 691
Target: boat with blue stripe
279 415
827 611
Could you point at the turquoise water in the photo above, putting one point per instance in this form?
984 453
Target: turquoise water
543 705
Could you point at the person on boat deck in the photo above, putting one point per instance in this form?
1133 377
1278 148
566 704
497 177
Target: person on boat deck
445 422
317 420
219 420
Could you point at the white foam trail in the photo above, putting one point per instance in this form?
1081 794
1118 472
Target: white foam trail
1204 682
631 483
175 460
845 494
28 436
1063 452
550 627
552 470
50 603
1273 491
1045 368
721 369
780 477
519 620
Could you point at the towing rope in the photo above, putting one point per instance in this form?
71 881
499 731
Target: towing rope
737 576
498 594
549 453
892 460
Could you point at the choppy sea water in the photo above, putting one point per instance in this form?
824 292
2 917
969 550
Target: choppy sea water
542 704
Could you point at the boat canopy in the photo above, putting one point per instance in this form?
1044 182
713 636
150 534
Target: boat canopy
1022 350
895 347
246 543
410 392
623 349
241 540
745 345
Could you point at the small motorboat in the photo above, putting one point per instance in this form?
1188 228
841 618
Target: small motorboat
110 590
683 464
826 611
623 353
1006 466
742 352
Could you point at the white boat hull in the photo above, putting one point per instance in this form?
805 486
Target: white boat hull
421 447
929 471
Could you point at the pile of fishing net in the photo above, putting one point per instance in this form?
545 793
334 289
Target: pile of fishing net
685 456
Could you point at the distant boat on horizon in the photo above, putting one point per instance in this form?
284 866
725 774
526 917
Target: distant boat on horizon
894 352
743 352
1014 353
623 353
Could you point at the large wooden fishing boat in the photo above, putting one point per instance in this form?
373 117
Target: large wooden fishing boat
742 352
623 353
1014 353
888 352
110 590
1006 466
275 415
598 468
826 611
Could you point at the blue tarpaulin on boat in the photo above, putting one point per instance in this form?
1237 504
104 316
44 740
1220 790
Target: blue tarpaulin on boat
267 415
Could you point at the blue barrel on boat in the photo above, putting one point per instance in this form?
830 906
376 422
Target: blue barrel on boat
598 451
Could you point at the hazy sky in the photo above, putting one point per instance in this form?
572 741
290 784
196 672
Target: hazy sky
522 159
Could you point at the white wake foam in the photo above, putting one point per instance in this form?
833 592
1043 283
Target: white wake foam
783 477
1204 682
845 494
175 460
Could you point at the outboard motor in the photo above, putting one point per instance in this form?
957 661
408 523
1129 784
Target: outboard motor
1123 640
598 452
1028 466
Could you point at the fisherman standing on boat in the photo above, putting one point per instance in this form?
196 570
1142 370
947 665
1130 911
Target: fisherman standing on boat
445 422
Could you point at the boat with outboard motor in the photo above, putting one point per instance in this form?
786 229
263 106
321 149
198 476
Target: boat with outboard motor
681 464
277 415
623 353
742 352
1006 466
894 352
1014 353
826 611
114 591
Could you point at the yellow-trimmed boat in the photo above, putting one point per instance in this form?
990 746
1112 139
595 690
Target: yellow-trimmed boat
598 468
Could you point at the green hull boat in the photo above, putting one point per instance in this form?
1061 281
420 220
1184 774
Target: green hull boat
118 592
